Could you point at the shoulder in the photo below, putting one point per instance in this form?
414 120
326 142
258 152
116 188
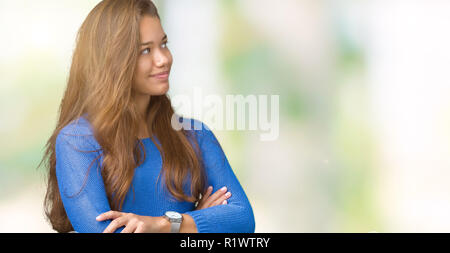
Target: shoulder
191 124
78 132
79 126
199 130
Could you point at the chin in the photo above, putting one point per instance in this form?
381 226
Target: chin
163 89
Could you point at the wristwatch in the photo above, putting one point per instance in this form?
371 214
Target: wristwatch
175 220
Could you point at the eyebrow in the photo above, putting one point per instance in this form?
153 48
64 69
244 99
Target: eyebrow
151 42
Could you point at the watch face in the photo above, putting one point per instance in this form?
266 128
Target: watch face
173 215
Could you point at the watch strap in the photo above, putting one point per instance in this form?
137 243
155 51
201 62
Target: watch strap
175 227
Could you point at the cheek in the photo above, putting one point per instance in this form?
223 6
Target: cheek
144 69
141 75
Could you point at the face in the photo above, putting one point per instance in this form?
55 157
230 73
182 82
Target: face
154 58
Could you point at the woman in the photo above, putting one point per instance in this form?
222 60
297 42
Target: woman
115 161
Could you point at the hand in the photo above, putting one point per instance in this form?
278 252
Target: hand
133 223
218 198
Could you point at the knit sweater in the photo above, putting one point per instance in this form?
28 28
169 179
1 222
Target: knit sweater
84 197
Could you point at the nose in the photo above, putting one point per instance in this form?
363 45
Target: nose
160 58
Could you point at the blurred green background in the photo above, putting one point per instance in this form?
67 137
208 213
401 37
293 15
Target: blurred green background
364 90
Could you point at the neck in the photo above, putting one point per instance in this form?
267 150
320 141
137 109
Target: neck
142 102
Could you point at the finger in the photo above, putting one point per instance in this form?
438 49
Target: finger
115 224
220 200
140 228
207 192
215 196
130 228
205 197
109 215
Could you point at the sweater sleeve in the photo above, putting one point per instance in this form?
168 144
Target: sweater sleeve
80 182
234 217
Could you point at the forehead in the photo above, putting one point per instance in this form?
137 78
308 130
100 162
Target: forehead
150 29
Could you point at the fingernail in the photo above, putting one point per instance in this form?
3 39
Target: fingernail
228 194
98 217
209 188
224 202
223 188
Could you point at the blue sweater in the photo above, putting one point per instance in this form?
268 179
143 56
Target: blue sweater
150 198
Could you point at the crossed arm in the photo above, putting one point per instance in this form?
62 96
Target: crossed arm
147 224
211 216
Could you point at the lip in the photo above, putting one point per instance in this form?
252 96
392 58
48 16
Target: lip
161 75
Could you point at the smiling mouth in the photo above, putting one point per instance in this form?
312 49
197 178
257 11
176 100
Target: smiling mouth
161 74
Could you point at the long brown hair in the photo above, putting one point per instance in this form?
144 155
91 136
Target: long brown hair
100 87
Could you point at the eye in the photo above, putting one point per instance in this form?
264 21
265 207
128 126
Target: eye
145 50
165 44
